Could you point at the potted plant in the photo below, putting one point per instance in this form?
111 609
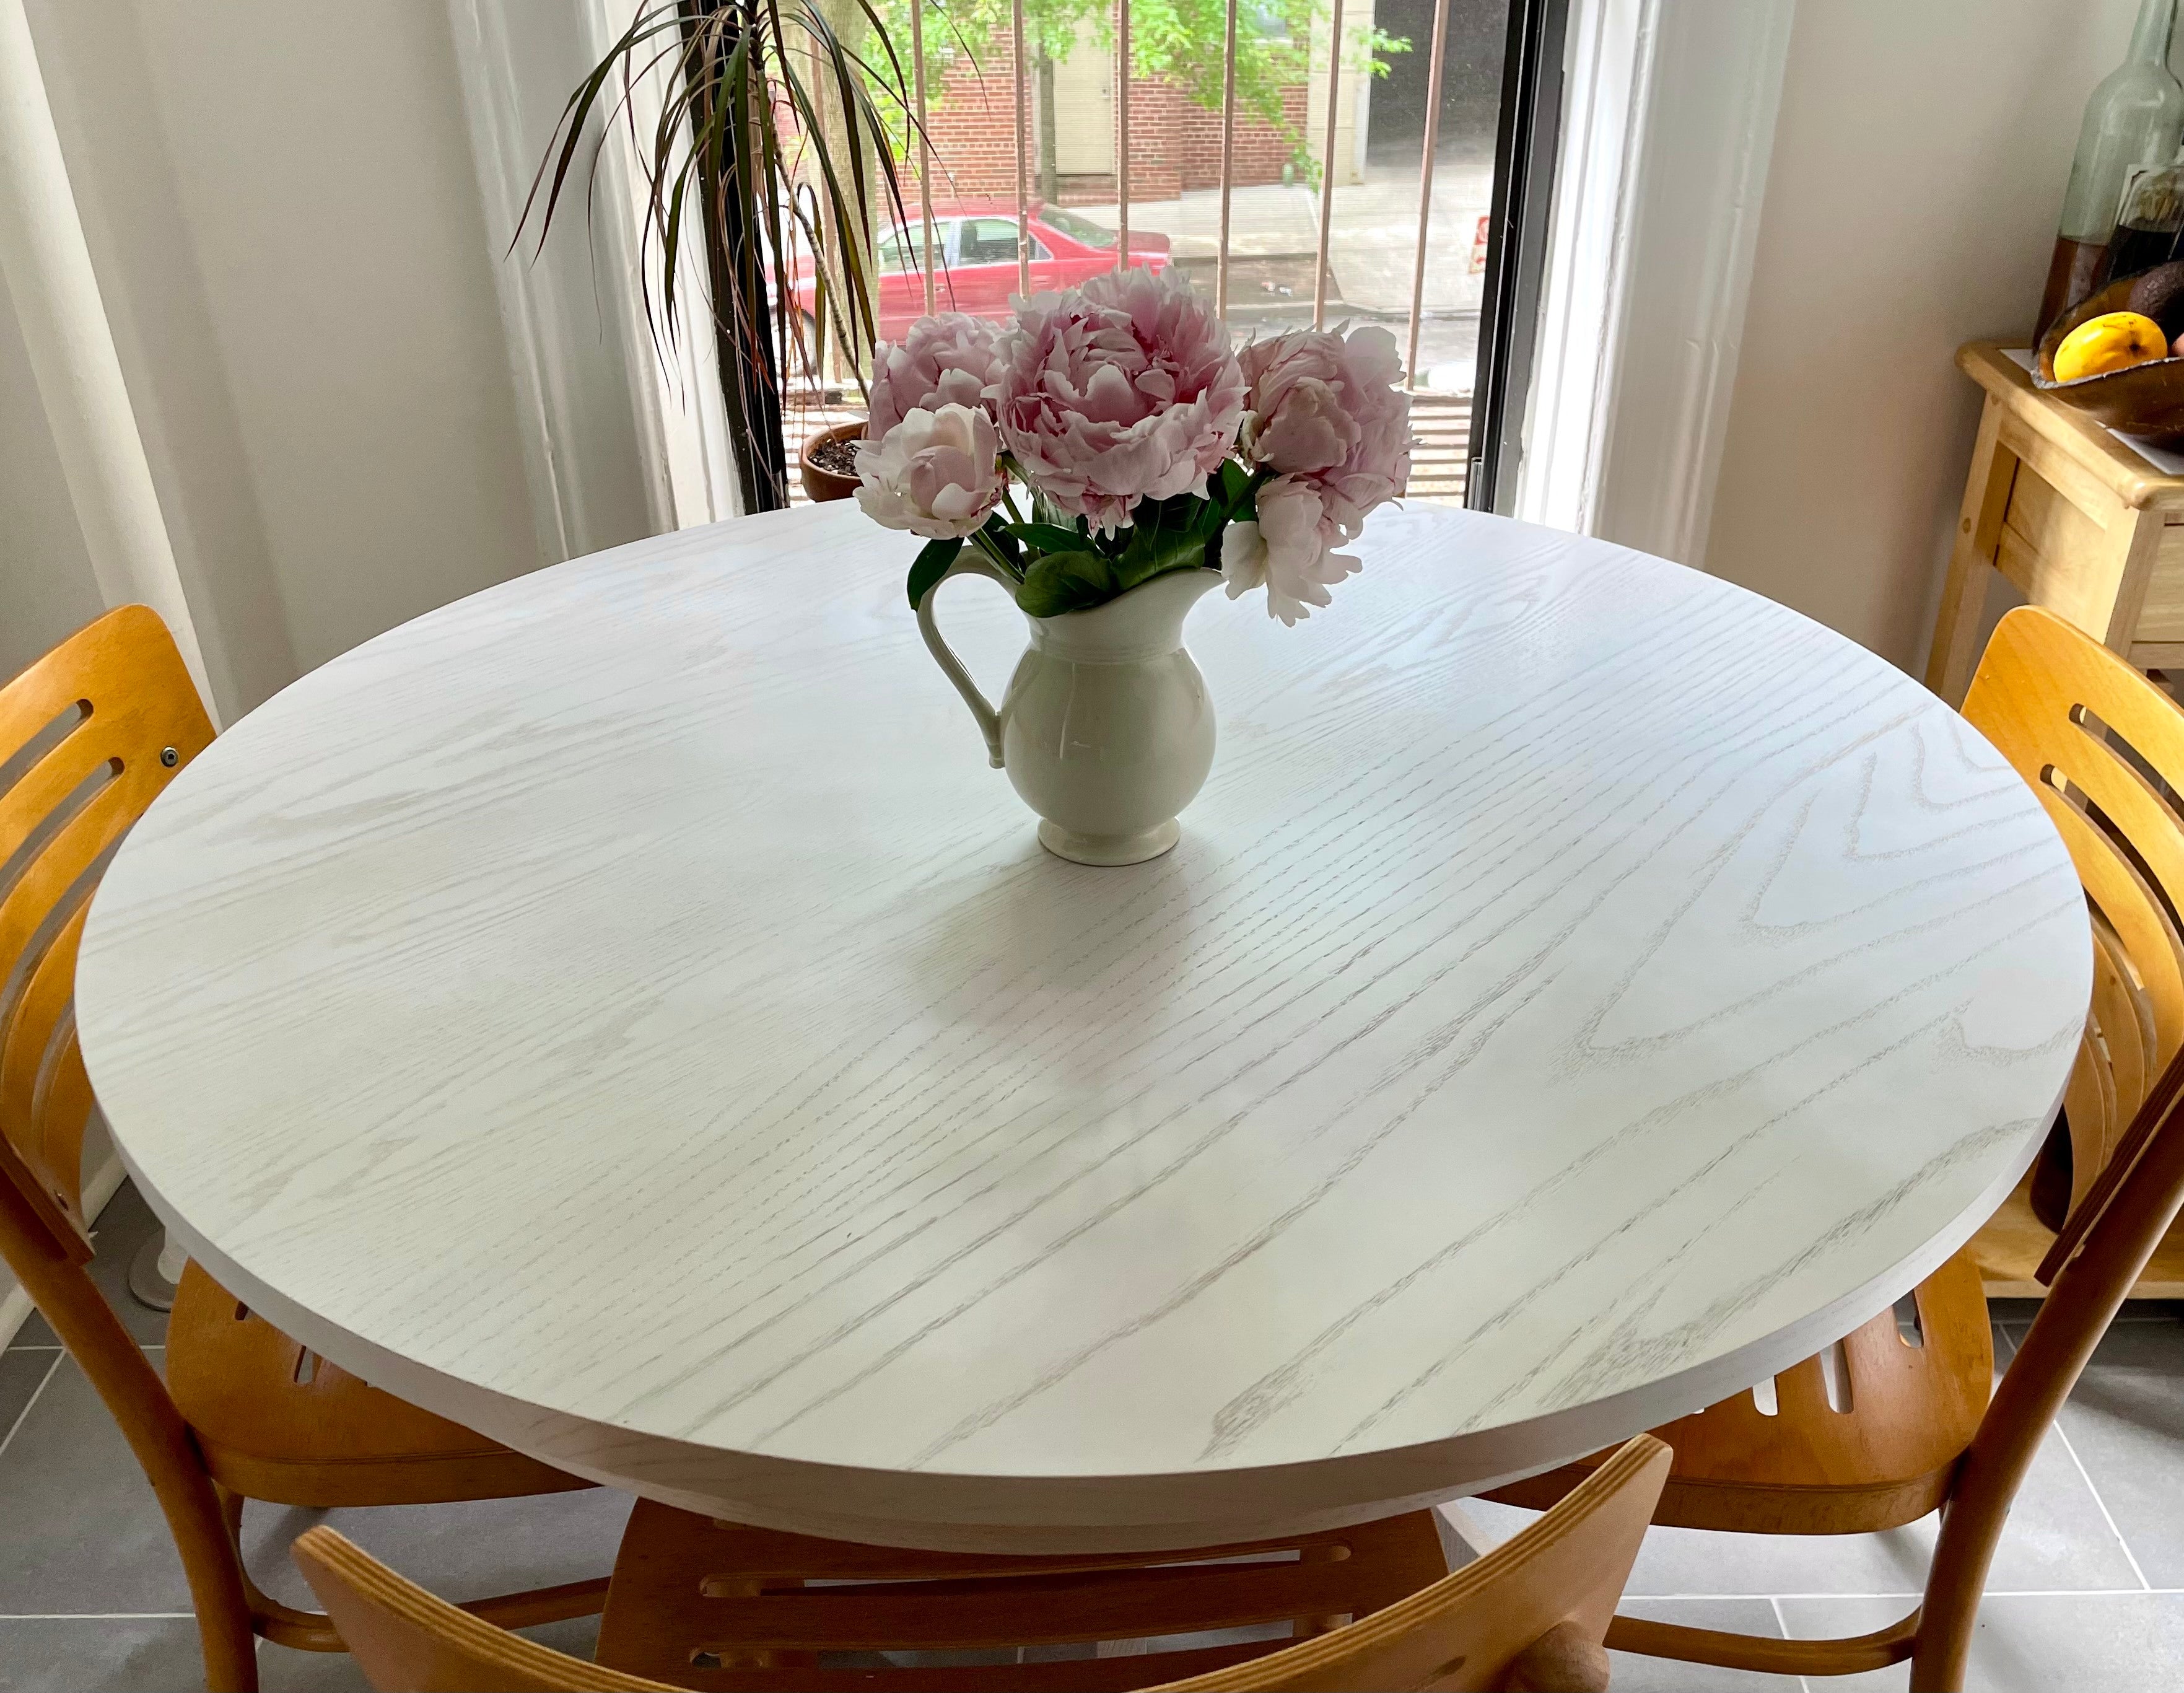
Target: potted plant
778 143
774 140
828 461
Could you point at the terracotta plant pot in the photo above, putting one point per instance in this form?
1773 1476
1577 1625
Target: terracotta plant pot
2145 400
819 483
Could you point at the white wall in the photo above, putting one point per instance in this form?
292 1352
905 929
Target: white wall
283 212
46 586
1918 172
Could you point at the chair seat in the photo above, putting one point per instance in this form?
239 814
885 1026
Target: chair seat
1886 1459
277 1422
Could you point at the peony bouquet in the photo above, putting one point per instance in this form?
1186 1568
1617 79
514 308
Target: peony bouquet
1146 445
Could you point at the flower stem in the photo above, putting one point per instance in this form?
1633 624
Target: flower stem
984 543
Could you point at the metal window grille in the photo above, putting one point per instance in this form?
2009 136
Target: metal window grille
1444 422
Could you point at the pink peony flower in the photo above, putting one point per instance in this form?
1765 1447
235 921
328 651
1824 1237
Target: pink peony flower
1289 551
1123 391
935 473
944 359
1325 409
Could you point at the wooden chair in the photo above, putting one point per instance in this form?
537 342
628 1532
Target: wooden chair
2099 743
89 737
724 1607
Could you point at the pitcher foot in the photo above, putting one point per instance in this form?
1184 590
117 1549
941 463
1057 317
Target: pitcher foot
1109 849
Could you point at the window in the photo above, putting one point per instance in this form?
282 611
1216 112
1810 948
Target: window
1401 175
1077 228
904 249
993 241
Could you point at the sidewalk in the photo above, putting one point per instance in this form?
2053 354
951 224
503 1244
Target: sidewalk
1274 237
1375 232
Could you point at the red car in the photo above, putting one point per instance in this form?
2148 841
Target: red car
974 260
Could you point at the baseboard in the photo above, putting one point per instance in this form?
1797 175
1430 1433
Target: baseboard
15 1304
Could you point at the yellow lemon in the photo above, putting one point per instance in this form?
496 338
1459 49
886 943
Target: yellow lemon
2113 341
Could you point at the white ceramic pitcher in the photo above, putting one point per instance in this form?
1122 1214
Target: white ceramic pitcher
1106 730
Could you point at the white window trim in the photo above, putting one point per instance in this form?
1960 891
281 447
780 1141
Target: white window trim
620 437
1668 126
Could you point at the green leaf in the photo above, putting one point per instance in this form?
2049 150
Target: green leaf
1155 551
931 565
1234 479
996 530
1052 538
1066 582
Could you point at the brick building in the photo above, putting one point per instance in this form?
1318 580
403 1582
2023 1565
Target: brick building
1175 144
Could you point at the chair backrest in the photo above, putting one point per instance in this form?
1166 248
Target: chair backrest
2103 748
1529 1614
693 1599
403 1638
89 736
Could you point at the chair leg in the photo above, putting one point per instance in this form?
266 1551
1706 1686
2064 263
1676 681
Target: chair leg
123 1378
1853 1655
312 1631
217 1592
1561 1661
217 1584
283 1624
2089 1288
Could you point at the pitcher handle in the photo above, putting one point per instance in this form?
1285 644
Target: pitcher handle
967 562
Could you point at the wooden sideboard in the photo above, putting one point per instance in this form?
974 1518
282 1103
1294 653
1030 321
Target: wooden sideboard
2079 522
2074 519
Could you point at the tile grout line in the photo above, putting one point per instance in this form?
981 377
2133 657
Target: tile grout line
1782 1628
29 1405
2129 1558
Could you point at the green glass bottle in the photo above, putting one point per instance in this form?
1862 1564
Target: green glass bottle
2134 121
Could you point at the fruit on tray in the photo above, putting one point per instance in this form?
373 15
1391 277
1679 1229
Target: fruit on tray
2115 341
2160 295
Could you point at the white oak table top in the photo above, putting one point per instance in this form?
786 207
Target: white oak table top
623 1011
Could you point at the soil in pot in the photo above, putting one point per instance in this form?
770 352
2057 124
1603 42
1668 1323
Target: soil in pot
838 455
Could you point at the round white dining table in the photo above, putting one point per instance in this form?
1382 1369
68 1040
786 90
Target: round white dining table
622 1011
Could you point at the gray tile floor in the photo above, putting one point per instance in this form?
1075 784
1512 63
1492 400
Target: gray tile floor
2088 1590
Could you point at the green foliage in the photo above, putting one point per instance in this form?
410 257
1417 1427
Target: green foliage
1179 40
733 161
932 562
1067 581
1063 566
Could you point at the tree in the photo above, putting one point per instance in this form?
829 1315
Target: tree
1180 41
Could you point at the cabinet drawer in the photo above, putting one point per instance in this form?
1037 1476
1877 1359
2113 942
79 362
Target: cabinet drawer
2056 556
2162 617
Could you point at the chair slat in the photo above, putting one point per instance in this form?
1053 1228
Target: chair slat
2110 1079
2123 898
2089 1104
137 710
29 805
2058 705
758 1590
1040 1610
39 1064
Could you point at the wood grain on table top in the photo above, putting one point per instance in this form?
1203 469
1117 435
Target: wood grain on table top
623 1009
